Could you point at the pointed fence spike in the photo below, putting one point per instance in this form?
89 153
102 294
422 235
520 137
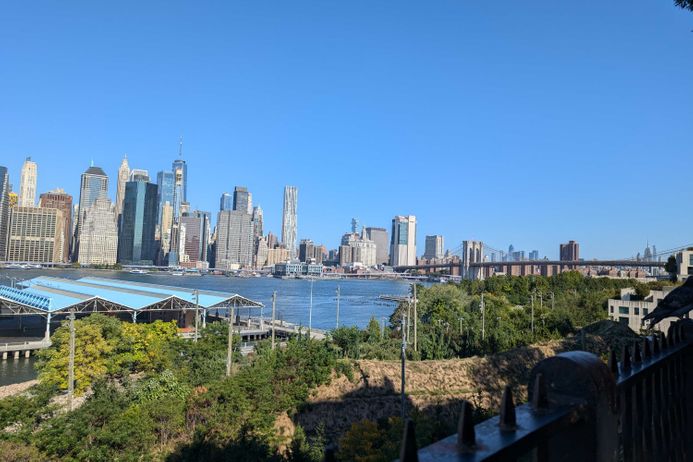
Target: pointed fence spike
671 335
625 359
409 452
646 348
540 396
682 331
655 345
507 420
637 356
466 435
613 363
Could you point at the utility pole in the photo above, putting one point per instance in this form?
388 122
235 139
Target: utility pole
310 310
197 313
338 295
532 315
229 346
483 318
404 359
274 311
71 363
415 321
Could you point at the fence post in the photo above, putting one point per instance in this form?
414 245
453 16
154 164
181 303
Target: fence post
686 335
581 378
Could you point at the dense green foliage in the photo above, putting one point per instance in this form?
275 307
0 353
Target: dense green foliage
450 322
150 395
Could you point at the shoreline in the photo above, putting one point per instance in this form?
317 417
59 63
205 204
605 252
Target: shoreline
16 388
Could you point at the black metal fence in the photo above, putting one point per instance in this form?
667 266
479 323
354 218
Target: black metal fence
580 409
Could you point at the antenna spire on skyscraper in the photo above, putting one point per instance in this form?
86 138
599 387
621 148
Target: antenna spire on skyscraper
180 147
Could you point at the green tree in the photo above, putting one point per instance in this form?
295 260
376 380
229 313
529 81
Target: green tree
685 4
671 267
91 350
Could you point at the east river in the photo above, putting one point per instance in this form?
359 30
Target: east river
358 300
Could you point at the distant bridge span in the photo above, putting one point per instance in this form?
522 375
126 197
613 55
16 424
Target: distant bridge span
559 263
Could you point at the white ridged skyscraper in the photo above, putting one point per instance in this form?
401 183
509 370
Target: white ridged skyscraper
27 184
289 220
123 177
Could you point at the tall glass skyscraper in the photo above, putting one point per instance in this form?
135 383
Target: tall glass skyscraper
289 220
226 202
164 181
94 185
136 242
4 211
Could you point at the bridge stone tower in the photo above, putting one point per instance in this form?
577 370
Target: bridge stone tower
472 252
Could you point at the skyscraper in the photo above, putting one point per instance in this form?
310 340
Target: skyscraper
196 239
164 181
94 185
435 247
123 177
234 245
136 243
226 202
4 211
258 222
180 174
241 198
379 236
570 251
27 184
59 199
289 220
403 241
36 235
98 244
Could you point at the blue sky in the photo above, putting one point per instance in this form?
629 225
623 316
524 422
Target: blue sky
528 123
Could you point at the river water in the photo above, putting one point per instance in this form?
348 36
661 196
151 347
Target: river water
358 300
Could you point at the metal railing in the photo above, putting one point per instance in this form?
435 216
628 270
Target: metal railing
580 408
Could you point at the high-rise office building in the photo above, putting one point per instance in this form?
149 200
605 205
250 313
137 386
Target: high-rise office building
180 166
36 235
93 186
139 174
226 202
14 199
164 182
357 249
241 198
59 199
534 255
290 219
136 237
27 184
123 177
403 241
234 245
261 251
4 211
196 242
98 244
435 247
570 251
382 244
306 250
179 185
258 223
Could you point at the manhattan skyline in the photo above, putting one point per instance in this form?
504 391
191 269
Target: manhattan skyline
496 124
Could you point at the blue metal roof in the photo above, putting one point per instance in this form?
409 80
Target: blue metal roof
50 294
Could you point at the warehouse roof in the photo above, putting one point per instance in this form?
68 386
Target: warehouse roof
51 294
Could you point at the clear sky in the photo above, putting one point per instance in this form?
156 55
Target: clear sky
528 123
